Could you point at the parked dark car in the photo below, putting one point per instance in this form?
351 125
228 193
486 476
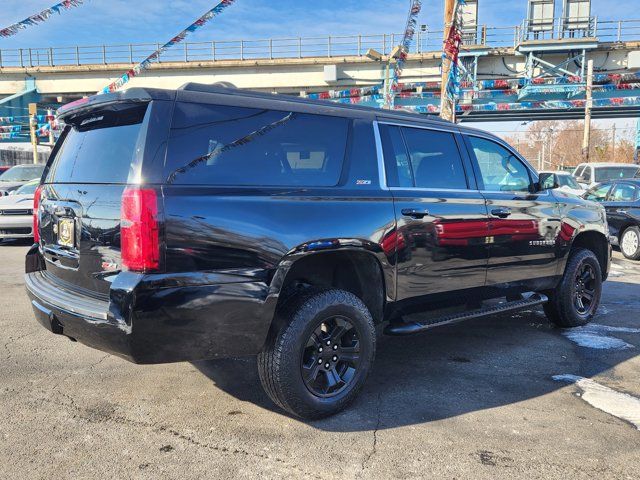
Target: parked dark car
621 200
17 176
212 222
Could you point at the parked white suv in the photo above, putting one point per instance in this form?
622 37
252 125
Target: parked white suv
590 174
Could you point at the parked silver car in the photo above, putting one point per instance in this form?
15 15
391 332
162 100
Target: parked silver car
16 212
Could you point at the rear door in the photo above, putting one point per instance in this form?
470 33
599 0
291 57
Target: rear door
441 217
523 224
79 213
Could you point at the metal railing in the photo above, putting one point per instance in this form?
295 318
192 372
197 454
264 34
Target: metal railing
308 47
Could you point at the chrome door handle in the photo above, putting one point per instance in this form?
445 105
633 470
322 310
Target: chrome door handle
414 213
501 212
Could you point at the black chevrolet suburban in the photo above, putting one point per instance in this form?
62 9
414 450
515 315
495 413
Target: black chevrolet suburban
211 222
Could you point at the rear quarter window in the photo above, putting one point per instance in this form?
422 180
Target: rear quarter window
224 145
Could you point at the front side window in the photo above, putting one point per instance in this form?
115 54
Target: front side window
623 192
586 175
500 170
578 171
422 158
225 145
598 193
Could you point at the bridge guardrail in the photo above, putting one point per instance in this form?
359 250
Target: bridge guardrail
306 47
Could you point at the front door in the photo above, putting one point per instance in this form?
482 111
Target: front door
441 217
620 206
523 225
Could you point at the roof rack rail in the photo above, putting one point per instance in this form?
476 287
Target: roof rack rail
206 88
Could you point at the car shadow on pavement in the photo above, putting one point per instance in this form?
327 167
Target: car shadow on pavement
457 369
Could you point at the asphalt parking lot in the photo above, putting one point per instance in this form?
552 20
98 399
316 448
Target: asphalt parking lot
473 400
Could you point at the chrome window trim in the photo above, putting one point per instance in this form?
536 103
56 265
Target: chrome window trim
381 156
382 173
516 192
437 128
420 189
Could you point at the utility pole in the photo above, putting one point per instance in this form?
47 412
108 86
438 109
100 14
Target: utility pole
447 111
33 125
586 139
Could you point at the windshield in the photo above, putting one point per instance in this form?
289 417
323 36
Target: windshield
22 173
28 188
614 173
568 181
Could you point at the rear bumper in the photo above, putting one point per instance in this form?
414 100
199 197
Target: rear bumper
150 319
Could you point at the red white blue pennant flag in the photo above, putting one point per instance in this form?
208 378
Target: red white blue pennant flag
135 71
407 40
40 17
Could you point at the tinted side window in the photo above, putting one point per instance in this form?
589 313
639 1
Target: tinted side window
435 159
397 166
422 158
623 192
500 170
222 145
586 175
599 193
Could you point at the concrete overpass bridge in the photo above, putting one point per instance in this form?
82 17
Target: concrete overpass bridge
509 73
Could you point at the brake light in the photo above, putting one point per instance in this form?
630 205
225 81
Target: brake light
36 220
139 233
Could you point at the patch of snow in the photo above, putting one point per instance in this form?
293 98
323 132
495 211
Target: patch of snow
610 328
596 336
620 405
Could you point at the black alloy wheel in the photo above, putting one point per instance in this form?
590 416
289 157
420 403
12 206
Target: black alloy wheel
331 357
575 300
585 289
316 360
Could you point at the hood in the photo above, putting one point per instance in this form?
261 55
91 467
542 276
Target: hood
16 201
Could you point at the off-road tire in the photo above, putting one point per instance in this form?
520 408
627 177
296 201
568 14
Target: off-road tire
280 362
561 308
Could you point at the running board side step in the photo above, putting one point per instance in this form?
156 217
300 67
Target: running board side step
409 328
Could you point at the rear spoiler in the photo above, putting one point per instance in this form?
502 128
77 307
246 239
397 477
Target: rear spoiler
80 108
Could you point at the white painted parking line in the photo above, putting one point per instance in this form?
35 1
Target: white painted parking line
621 405
598 336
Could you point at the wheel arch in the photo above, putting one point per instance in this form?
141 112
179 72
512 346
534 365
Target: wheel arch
598 243
356 270
624 227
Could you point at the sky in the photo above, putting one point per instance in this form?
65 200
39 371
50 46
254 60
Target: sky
100 22
126 21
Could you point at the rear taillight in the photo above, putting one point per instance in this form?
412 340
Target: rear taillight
139 235
36 207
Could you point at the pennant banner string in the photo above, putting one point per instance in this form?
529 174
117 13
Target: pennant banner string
40 17
407 40
135 71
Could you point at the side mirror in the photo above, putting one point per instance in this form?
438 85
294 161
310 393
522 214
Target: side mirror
547 181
